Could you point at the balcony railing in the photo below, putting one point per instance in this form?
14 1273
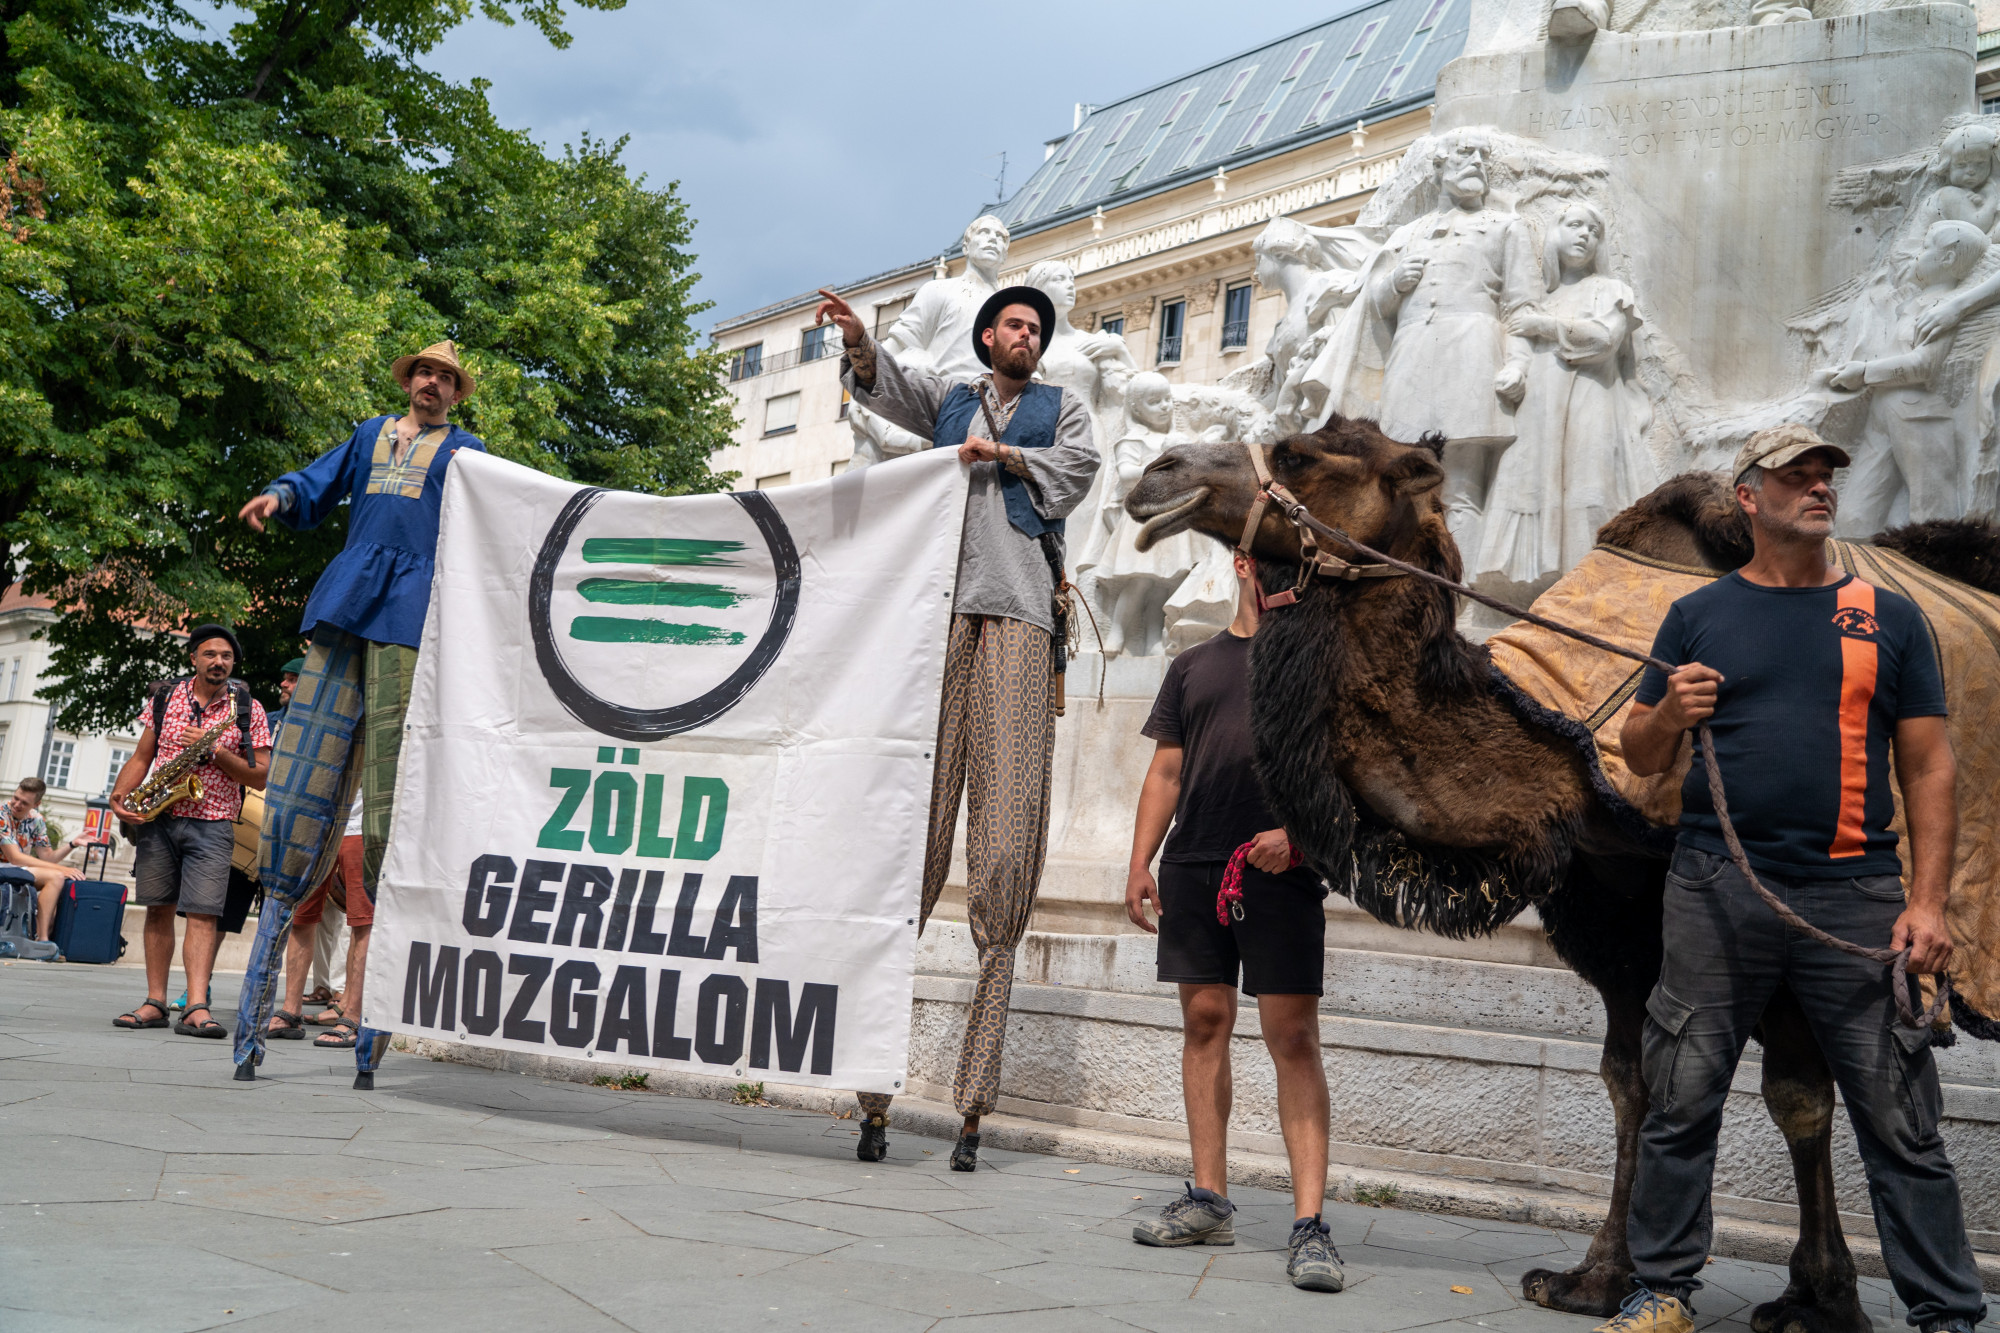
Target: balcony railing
1170 348
1236 333
748 367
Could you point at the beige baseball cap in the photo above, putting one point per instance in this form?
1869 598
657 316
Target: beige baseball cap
1779 445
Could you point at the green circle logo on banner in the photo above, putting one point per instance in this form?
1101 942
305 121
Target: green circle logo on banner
695 586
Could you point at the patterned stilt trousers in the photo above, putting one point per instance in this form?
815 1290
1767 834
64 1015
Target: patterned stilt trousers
343 733
996 737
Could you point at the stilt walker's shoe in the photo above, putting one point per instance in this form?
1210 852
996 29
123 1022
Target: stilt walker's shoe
965 1153
364 1081
246 1072
874 1145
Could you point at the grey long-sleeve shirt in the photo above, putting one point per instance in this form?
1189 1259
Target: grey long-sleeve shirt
1001 570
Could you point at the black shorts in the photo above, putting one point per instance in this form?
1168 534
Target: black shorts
1279 945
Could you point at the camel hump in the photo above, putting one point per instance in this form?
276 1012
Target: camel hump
1692 519
1965 550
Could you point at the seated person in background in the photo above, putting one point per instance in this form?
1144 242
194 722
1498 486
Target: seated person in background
24 842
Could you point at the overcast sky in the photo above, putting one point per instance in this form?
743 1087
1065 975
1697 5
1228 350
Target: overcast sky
820 143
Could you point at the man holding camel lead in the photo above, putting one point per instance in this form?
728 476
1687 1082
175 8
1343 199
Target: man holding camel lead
1810 681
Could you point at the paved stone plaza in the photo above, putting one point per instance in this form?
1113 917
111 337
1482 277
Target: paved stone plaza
141 1189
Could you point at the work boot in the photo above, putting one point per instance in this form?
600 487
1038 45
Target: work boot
1650 1312
1315 1264
1198 1217
965 1153
874 1145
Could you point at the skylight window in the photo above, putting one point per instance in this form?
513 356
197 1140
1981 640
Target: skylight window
1277 98
1103 156
1154 139
1214 121
1392 82
1336 82
1052 172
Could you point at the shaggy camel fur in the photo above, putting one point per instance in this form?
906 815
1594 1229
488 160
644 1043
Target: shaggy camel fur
1419 782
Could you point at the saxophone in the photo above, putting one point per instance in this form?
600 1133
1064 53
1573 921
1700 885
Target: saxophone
176 781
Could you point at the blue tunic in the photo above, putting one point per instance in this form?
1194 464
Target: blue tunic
379 586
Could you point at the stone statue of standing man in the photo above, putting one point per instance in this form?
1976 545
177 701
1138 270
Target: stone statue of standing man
1442 295
935 333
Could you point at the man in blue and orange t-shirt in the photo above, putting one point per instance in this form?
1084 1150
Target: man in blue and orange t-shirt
1811 681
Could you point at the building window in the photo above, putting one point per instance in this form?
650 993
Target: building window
1112 324
886 315
1989 106
1173 316
61 755
1154 140
816 343
1269 111
14 681
846 401
781 414
119 754
775 479
1098 159
1236 316
1392 82
1215 117
746 362
1336 82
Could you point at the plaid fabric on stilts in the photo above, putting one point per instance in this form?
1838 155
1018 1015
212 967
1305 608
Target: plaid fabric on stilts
313 773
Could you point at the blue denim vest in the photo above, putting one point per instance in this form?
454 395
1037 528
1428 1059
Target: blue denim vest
1033 427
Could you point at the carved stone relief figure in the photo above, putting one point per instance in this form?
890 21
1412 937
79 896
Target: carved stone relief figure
1438 296
1133 585
1579 453
1094 366
1920 453
935 332
1316 270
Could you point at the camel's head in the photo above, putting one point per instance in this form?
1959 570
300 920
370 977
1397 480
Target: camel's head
1348 474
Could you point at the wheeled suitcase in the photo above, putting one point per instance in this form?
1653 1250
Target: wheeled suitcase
89 916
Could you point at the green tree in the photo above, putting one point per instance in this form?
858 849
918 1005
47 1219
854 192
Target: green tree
210 250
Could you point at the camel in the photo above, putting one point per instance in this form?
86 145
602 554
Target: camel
1438 800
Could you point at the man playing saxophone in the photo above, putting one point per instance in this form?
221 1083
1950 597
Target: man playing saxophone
181 853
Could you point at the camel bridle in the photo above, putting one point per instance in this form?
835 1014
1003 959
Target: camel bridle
1314 561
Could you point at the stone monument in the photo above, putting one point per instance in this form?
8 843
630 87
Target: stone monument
935 332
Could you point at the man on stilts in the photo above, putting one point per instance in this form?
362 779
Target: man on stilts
343 731
1032 458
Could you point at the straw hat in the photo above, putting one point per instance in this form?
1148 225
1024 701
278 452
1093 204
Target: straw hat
444 355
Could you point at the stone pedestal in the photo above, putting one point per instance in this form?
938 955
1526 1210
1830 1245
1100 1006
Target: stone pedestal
1722 146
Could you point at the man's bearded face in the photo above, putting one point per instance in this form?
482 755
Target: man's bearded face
432 388
214 660
1017 342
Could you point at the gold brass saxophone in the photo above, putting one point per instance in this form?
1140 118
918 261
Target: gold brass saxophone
176 780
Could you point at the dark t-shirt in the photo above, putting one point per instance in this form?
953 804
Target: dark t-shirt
1814 682
1204 707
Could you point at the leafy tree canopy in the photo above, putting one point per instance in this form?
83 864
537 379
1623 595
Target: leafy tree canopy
212 246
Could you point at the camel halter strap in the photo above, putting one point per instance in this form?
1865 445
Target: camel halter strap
1312 560
1896 960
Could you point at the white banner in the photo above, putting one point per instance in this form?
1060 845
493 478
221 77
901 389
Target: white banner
666 776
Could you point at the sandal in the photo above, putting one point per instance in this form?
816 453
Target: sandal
131 1022
340 1039
207 1027
320 995
331 1016
287 1026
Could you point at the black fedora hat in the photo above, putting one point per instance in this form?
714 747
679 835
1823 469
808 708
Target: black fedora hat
989 315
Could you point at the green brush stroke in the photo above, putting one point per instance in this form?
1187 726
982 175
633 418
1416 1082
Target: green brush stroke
658 551
605 629
646 592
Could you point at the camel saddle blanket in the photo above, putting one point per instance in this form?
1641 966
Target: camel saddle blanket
1623 597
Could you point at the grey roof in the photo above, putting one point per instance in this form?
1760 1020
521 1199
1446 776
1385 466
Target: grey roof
1379 60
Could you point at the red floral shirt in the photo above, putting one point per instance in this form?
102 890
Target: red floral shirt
221 798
